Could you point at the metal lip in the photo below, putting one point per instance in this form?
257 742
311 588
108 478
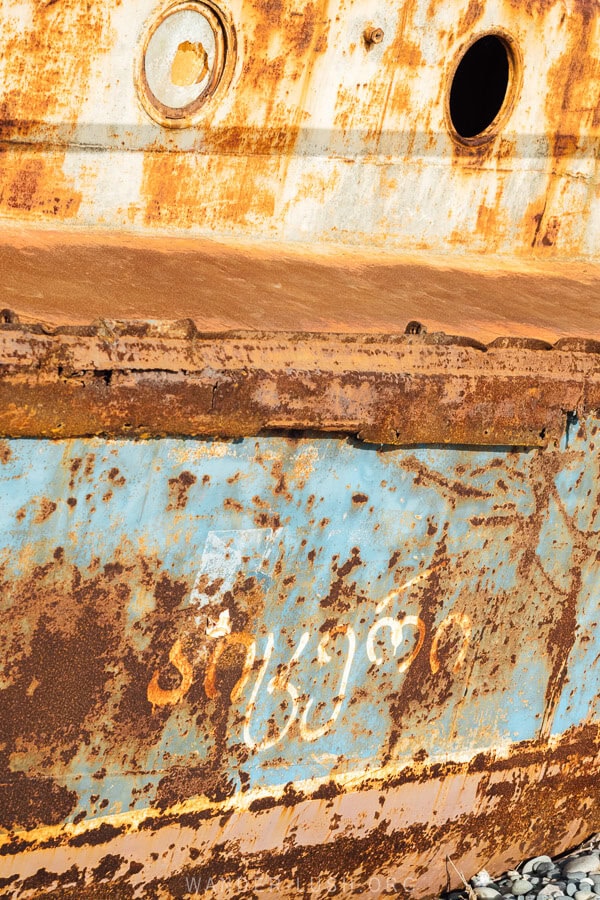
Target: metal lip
513 87
222 70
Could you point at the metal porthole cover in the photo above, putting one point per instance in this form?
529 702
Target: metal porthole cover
187 53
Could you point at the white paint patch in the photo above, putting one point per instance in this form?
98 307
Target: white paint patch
227 553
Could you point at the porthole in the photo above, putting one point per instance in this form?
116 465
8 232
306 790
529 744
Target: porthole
482 88
186 54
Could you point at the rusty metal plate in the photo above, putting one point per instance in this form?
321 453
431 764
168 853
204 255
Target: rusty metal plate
284 663
152 379
318 134
73 277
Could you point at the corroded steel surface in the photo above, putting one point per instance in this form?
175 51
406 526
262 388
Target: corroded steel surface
283 662
152 379
315 131
73 277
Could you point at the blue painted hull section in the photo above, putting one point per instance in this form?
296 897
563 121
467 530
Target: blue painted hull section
289 610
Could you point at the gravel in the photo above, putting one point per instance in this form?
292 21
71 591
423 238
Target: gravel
574 876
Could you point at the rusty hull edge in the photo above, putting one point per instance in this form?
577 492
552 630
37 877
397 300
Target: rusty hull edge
403 390
397 832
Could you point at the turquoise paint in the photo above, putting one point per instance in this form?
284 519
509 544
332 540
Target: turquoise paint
502 532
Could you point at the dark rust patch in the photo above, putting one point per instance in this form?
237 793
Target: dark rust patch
108 867
47 704
27 802
100 835
115 477
169 592
45 510
267 520
342 595
263 803
182 782
56 703
178 490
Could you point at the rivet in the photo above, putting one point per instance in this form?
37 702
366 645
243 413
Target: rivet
373 35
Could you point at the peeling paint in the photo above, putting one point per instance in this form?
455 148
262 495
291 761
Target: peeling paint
315 134
172 666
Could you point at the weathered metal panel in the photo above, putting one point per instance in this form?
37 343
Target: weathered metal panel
287 662
153 379
73 277
314 131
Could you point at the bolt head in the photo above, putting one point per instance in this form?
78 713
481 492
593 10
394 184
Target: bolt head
373 35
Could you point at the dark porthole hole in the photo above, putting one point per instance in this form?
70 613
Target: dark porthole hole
479 86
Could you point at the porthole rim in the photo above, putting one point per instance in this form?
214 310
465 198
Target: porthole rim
226 46
515 76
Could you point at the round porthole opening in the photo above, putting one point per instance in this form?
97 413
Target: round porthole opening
480 87
186 52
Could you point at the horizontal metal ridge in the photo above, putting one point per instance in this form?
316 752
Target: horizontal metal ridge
186 330
156 378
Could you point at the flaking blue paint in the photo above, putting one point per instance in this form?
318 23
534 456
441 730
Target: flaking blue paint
501 530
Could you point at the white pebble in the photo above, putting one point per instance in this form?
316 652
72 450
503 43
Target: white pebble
583 895
549 890
487 893
531 864
588 863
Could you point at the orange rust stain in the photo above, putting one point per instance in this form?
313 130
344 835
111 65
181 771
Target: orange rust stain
492 219
399 99
538 9
46 508
48 64
573 85
302 36
281 42
374 103
403 49
184 190
405 53
470 17
210 680
159 696
316 185
46 75
486 218
359 109
505 149
282 39
34 186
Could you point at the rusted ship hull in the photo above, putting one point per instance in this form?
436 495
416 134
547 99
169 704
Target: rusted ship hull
295 602
283 662
314 131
